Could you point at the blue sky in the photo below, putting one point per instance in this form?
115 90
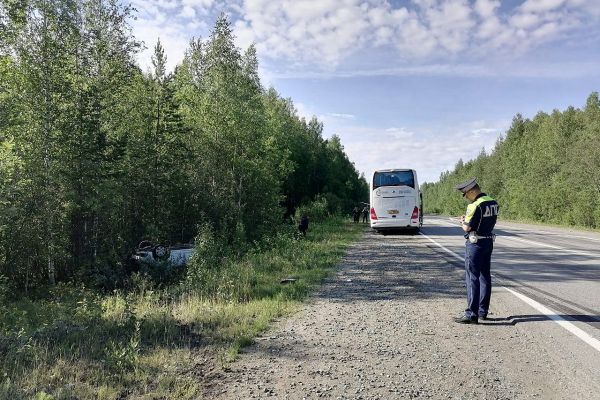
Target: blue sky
417 83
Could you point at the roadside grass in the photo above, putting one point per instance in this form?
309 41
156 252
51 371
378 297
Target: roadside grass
153 343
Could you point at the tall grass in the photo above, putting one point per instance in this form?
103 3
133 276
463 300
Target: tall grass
151 343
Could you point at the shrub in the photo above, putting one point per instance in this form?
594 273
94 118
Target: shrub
124 356
316 210
209 253
4 289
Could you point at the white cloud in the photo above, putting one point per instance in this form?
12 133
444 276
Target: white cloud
400 133
567 69
198 3
486 8
525 20
149 32
489 28
325 33
304 30
174 22
450 23
537 6
188 12
333 118
308 36
321 39
342 116
428 151
304 111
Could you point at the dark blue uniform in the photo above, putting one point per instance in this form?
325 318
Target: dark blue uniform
481 217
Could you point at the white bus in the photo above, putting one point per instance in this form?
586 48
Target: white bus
396 201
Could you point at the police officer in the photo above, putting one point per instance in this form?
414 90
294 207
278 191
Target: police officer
478 224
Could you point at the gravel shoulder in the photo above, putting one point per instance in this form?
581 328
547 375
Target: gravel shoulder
381 328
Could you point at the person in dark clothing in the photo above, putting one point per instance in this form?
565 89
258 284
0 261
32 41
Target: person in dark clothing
303 226
478 224
365 214
356 214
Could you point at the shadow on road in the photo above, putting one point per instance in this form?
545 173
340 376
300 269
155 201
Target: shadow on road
593 320
398 232
455 231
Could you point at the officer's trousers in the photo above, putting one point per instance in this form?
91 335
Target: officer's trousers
478 278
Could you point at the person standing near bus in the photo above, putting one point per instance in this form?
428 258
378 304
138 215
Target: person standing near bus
478 224
356 214
365 214
303 225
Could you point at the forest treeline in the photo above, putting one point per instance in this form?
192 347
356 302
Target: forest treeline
97 154
545 169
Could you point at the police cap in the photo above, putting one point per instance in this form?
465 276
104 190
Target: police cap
466 186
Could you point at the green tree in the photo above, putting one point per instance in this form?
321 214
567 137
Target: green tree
545 169
96 155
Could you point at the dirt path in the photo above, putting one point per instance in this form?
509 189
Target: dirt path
382 328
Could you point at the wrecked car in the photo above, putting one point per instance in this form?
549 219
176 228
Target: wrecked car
155 254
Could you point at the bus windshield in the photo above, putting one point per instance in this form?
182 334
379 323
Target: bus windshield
394 178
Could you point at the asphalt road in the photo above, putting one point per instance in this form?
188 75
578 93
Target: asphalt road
553 275
382 326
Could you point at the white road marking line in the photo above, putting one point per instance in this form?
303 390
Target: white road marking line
553 315
447 250
580 253
550 246
504 226
549 233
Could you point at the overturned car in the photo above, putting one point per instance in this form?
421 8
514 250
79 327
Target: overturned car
148 253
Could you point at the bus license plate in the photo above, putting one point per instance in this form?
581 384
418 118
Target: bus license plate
393 212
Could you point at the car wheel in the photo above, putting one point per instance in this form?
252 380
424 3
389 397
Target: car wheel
160 252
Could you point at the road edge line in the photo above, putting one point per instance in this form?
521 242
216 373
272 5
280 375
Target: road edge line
553 315
447 250
533 242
